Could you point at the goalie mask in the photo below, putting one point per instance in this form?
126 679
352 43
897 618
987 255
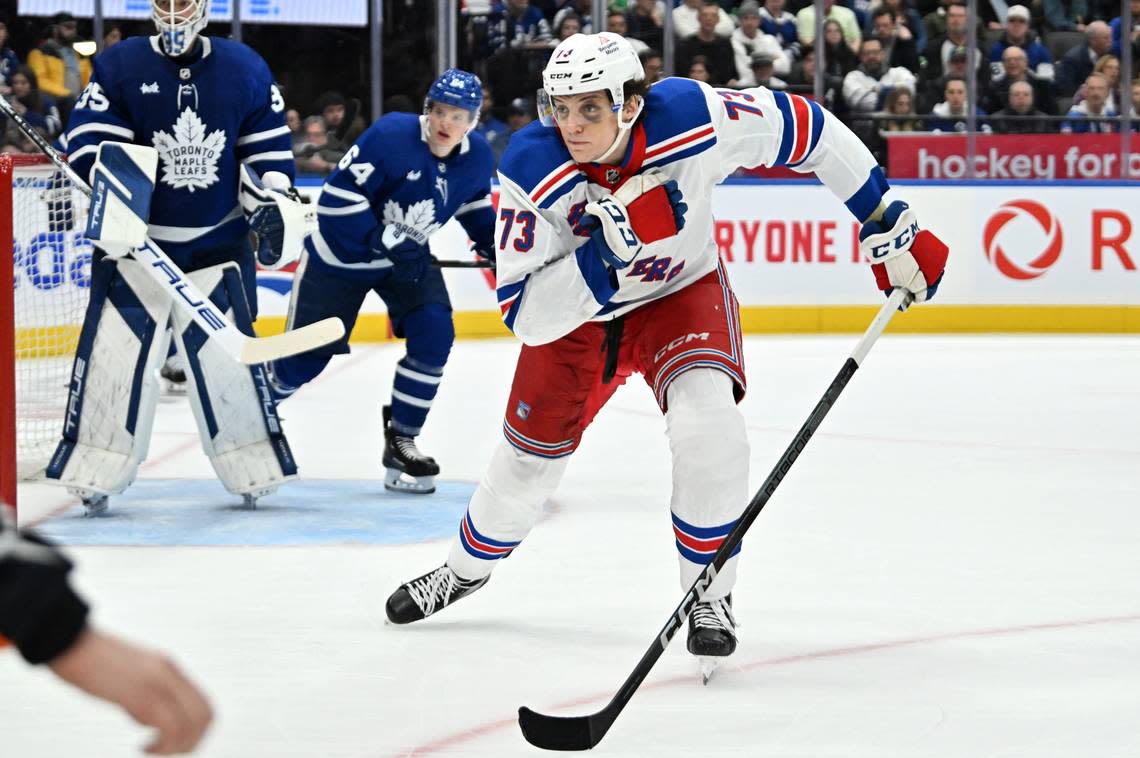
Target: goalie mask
588 63
178 23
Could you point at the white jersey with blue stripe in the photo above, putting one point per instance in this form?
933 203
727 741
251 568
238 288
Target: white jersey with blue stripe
205 115
697 136
389 176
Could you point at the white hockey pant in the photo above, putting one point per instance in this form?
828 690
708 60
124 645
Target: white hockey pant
710 485
114 388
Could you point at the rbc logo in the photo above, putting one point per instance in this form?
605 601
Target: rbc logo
1050 249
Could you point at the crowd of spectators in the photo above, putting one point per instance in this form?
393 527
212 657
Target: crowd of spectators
888 65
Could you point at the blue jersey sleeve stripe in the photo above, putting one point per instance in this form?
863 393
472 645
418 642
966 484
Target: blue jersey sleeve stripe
272 155
816 124
261 136
101 127
787 138
595 273
867 198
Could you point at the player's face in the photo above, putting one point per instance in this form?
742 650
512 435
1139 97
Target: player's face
447 125
588 124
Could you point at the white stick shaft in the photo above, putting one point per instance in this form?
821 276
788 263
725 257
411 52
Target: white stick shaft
898 297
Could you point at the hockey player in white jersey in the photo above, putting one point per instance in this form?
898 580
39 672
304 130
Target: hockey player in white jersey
607 267
210 111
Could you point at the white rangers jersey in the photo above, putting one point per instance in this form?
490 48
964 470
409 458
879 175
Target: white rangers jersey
548 284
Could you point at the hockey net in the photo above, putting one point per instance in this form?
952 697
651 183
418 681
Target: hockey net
45 282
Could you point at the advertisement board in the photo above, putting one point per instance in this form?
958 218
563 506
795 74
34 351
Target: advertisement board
1010 156
326 12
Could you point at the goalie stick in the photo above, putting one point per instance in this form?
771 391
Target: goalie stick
187 296
585 732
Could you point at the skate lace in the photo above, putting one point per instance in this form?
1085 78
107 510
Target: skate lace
434 589
407 448
714 614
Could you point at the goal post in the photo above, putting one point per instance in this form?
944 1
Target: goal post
45 279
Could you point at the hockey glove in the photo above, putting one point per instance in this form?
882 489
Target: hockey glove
276 213
410 259
656 205
902 255
613 236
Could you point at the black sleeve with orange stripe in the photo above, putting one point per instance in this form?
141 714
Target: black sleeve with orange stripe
40 613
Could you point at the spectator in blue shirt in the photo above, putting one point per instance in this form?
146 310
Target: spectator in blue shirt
1094 106
1018 34
517 24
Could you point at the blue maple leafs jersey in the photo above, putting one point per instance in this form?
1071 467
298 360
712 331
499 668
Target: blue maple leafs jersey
204 116
390 177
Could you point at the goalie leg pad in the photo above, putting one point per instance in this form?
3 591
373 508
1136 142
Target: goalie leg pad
232 404
114 389
709 444
504 508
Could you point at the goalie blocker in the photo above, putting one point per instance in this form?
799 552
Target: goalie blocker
125 339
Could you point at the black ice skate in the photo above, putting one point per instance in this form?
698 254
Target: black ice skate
173 378
431 592
712 633
408 470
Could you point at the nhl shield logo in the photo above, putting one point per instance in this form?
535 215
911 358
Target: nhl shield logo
612 175
522 411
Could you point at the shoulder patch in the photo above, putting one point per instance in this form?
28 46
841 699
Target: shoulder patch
538 162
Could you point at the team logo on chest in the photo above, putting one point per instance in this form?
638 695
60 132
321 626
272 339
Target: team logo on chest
612 175
418 222
190 155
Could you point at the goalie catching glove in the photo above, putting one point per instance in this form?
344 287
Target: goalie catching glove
646 208
277 213
902 255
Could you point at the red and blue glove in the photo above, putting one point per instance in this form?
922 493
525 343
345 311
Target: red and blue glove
902 255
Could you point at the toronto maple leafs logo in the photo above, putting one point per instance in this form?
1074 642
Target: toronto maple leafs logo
418 222
190 156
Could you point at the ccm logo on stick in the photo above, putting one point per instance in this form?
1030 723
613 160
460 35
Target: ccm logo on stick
678 342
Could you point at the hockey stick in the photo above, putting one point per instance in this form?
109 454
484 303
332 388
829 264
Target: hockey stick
187 296
585 732
481 263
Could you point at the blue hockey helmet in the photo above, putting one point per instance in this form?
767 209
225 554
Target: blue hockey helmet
461 89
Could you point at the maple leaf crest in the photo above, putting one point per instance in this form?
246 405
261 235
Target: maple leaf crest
190 156
418 222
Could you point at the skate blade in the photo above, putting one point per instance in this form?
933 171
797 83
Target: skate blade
397 481
709 665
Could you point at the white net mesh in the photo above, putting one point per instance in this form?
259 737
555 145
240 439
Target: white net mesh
52 272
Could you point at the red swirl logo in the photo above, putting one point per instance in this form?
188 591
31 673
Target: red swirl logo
996 254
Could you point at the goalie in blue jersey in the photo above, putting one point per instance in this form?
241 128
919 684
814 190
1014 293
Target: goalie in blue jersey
402 180
210 111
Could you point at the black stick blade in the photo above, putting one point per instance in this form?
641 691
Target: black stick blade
557 732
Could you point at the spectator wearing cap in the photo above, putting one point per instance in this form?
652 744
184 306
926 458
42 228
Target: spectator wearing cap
931 91
764 74
865 88
1094 106
1066 15
937 53
616 24
9 61
1018 33
717 50
687 22
62 72
646 22
332 107
780 24
520 113
897 41
1013 118
748 42
845 17
1015 68
1078 63
952 114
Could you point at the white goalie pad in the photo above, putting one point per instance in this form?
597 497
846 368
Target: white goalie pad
122 182
294 214
235 412
114 389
